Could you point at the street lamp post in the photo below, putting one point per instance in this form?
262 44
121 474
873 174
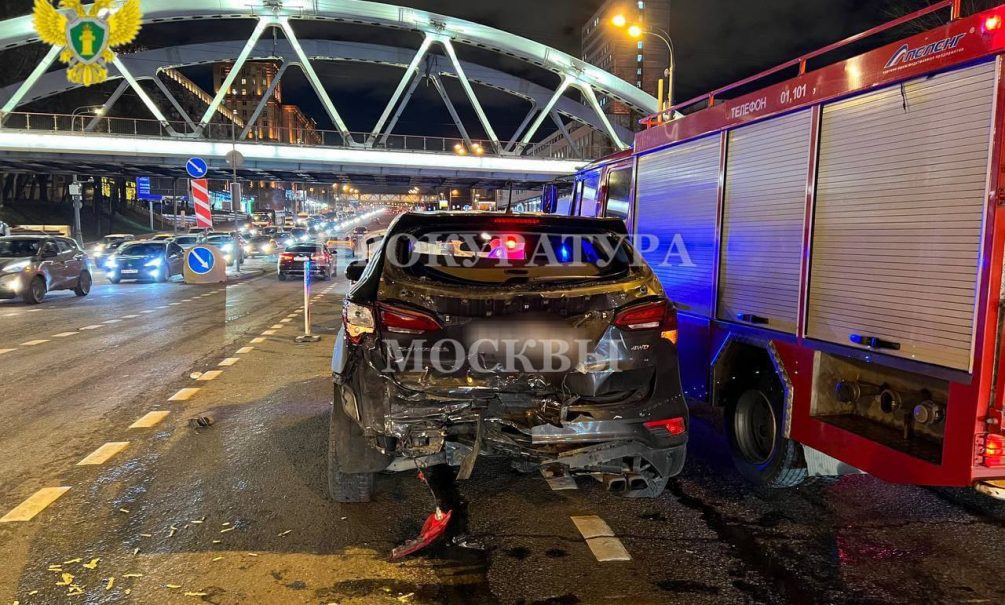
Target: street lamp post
637 31
97 109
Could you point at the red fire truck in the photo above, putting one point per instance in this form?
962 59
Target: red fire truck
834 245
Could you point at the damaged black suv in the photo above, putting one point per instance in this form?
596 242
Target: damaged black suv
541 338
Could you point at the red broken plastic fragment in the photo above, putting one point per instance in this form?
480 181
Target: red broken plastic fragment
432 530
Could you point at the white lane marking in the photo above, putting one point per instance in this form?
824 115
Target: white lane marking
186 300
173 304
111 321
2 351
184 394
92 327
129 316
103 453
162 307
256 340
147 312
12 315
64 334
210 375
32 343
285 320
601 539
150 419
268 333
244 350
33 310
35 504
277 327
229 361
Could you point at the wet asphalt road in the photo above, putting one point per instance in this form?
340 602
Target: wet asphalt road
237 512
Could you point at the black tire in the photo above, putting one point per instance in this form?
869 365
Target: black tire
345 487
756 438
83 284
282 277
35 291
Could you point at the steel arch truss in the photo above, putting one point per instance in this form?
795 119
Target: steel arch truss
437 30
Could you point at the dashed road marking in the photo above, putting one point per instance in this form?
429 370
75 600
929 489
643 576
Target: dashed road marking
285 320
64 334
33 310
103 453
32 343
35 504
277 327
256 340
229 361
150 419
162 307
244 350
129 316
601 539
209 375
92 327
184 394
147 312
268 333
174 304
2 351
12 315
111 321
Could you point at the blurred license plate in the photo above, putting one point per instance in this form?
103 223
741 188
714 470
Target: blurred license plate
536 340
301 259
127 271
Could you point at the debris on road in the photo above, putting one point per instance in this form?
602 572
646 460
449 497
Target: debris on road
200 422
285 533
66 579
110 584
124 510
92 564
196 594
226 529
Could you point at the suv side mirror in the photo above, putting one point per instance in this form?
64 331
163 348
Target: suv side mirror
355 270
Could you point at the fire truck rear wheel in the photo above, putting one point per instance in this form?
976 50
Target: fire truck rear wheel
756 438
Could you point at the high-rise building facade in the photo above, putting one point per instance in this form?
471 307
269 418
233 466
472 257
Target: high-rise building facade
640 61
278 121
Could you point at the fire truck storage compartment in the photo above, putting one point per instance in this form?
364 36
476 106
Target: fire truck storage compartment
901 410
900 194
767 166
677 201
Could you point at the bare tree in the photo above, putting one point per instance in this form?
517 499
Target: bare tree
898 8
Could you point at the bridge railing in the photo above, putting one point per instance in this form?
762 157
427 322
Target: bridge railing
227 131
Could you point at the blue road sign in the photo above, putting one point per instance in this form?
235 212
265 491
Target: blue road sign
200 260
196 168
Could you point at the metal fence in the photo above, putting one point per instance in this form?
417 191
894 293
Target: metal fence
303 137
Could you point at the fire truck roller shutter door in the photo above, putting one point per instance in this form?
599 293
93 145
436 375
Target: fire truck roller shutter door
766 171
898 222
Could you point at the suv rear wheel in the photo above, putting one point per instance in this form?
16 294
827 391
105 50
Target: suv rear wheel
83 284
35 291
757 441
342 486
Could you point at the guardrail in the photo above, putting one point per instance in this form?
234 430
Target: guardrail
216 131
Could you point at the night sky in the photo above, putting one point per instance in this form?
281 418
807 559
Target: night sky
717 42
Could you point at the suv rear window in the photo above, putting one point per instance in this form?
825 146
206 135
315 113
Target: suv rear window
493 253
304 248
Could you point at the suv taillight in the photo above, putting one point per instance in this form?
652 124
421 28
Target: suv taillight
652 315
406 321
358 320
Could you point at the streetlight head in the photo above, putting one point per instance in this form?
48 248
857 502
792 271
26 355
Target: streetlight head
99 111
619 20
635 31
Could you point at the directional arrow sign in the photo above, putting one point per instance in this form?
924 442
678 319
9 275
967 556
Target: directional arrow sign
200 260
196 168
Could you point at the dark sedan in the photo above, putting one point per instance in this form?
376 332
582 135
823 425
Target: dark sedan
291 261
149 260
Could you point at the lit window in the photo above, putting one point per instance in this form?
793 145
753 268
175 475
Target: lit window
639 84
638 71
243 81
642 4
638 58
640 45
